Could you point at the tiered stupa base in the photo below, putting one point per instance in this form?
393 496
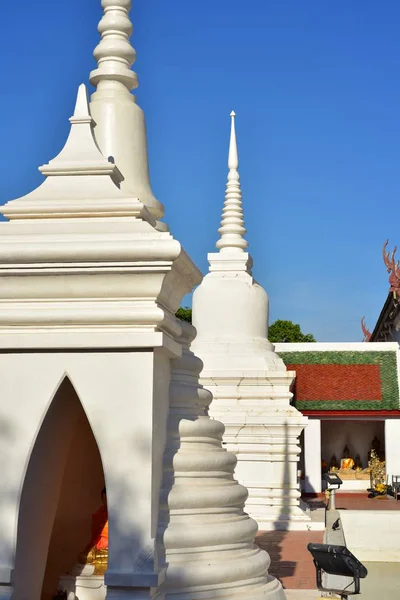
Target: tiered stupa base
81 587
205 539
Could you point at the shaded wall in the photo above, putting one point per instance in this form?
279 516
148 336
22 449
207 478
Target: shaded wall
358 436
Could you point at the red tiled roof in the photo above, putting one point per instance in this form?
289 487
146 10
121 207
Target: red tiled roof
337 382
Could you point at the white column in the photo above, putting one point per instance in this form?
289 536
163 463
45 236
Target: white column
392 447
312 456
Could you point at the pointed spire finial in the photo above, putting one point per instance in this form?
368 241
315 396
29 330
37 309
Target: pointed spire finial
81 112
80 182
233 159
232 227
115 54
80 150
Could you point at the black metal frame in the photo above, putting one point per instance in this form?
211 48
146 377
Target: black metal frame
333 479
337 560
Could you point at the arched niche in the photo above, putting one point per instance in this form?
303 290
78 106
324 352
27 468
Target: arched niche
61 491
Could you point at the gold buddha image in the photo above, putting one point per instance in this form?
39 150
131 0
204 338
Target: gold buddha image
376 447
353 469
358 464
333 465
347 462
95 554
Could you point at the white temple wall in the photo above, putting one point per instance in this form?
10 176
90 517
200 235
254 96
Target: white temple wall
392 447
116 391
312 457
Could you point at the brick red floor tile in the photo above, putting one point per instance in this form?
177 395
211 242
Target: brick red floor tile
356 501
291 562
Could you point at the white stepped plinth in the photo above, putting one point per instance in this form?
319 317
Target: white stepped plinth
83 588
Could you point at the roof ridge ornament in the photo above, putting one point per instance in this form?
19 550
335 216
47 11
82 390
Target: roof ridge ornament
393 267
366 332
115 54
232 228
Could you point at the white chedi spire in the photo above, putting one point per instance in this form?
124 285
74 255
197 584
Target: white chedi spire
115 54
232 227
120 128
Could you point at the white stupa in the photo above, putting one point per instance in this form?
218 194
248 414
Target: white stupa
249 381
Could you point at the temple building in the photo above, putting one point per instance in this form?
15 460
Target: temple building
350 394
387 327
345 395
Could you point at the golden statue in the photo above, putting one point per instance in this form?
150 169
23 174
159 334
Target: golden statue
376 448
333 465
347 462
378 470
96 552
358 465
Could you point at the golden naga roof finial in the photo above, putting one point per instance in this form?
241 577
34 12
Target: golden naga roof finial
393 267
366 331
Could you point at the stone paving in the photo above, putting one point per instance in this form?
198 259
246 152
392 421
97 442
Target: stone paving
291 562
382 581
303 595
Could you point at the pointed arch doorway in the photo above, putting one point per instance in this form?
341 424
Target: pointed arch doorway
61 491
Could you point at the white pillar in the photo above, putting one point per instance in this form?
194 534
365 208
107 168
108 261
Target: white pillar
392 447
312 456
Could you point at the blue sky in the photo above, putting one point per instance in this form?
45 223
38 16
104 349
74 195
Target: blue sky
316 89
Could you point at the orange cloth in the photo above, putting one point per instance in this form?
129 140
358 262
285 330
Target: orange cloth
100 529
346 463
